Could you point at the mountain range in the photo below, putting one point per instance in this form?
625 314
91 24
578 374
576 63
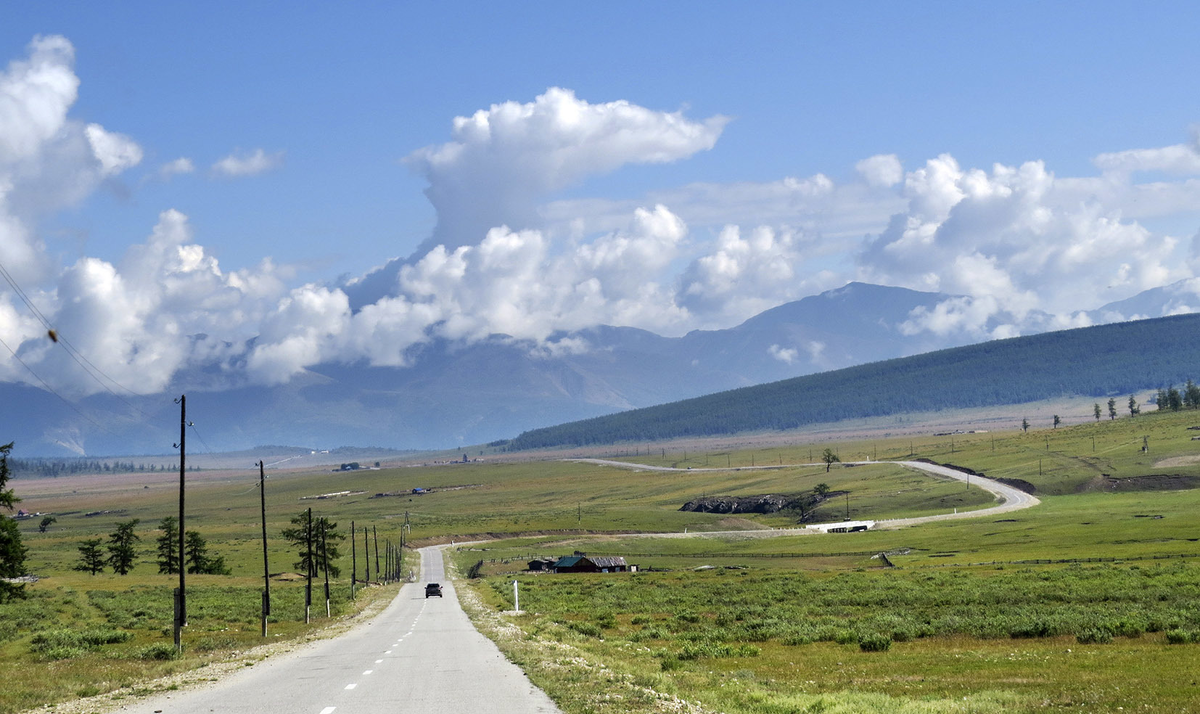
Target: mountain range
456 394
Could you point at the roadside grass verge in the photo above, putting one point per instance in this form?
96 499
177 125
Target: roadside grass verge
583 673
774 641
63 642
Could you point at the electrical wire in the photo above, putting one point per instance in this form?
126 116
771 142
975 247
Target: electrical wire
208 449
52 390
80 359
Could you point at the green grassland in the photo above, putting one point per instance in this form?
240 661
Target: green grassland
967 612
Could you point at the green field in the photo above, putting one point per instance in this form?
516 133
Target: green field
1091 598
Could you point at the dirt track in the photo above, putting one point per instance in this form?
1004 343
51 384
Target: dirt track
1011 499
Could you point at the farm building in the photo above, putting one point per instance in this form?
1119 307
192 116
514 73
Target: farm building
541 564
592 564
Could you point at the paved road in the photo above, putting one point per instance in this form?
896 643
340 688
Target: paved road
1011 499
418 655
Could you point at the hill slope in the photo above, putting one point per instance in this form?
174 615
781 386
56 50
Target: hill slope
1104 360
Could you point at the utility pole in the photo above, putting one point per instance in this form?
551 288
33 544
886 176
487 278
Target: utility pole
375 534
181 593
353 559
308 539
262 494
325 563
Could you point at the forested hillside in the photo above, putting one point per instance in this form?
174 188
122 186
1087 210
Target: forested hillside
1104 360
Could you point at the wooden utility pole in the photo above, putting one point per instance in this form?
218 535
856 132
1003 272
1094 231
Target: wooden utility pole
375 535
308 538
181 593
325 564
366 557
262 494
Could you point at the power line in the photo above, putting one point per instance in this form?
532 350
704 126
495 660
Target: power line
80 359
52 391
208 449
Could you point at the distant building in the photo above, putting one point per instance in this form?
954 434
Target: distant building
842 527
541 564
592 564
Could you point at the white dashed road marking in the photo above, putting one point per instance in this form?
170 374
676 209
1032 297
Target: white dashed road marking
368 671
328 710
351 686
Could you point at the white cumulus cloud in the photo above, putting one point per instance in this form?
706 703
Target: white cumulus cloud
881 170
787 355
182 165
1013 243
500 160
240 163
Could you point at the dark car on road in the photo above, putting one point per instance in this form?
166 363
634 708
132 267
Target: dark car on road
432 589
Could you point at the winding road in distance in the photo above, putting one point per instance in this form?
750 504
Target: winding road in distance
418 655
1012 499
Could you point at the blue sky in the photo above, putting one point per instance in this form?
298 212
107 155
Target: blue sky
335 98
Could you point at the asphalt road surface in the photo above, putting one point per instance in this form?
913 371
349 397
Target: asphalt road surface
418 655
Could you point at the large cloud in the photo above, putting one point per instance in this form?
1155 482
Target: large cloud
1012 242
502 159
513 283
167 305
47 160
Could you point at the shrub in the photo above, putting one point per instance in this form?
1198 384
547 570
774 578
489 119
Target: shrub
874 642
641 620
1182 637
158 651
715 650
1094 636
688 617
585 628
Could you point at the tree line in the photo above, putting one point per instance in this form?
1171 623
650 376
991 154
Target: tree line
320 537
51 467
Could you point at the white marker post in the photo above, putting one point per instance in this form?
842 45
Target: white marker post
516 598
